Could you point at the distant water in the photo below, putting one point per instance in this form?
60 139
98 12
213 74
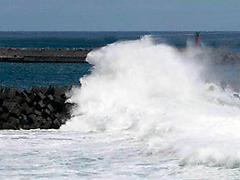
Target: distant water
98 39
146 111
27 75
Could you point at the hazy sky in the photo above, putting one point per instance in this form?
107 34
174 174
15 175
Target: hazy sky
119 15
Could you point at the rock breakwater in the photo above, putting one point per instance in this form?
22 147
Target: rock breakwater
44 55
36 108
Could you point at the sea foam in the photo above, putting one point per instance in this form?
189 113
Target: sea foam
177 101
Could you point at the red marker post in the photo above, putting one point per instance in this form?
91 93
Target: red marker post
197 39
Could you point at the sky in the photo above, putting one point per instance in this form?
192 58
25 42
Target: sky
119 15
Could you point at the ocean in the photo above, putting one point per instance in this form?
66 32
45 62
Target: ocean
151 106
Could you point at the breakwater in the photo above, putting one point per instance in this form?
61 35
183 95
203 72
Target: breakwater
44 55
38 107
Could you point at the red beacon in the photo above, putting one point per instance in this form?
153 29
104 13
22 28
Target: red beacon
197 39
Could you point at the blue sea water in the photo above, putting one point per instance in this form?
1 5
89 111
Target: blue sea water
92 39
145 110
27 75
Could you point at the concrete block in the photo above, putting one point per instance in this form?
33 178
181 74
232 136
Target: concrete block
9 126
50 107
44 90
46 113
58 116
26 109
40 95
50 97
1 101
32 119
11 92
4 117
1 110
57 106
23 120
56 124
14 121
8 106
38 113
47 125
41 104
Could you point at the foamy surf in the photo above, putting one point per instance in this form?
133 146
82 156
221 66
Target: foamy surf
173 100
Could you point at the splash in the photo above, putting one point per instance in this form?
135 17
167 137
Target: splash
177 101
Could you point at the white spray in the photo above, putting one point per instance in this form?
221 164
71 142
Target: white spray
170 98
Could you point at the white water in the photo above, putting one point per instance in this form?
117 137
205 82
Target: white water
147 111
169 99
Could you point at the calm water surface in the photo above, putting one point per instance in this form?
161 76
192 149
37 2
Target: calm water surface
26 75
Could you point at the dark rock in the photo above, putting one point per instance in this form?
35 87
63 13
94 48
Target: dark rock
46 101
1 110
31 96
49 119
8 126
35 89
47 125
26 127
59 91
25 95
32 119
50 107
34 103
19 100
59 100
39 107
46 113
44 90
38 113
16 111
51 89
4 117
1 89
58 116
56 124
41 104
50 97
4 109
11 92
40 95
8 106
14 122
23 120
1 101
27 110
58 107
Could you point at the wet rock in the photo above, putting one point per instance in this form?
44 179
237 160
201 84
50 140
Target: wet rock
4 117
39 107
8 106
23 120
38 113
14 122
50 107
47 124
9 126
56 124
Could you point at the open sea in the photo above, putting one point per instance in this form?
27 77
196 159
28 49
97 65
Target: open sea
151 106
